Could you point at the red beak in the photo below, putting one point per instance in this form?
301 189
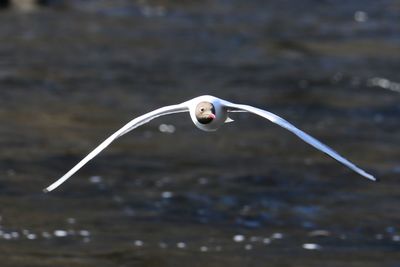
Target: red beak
211 116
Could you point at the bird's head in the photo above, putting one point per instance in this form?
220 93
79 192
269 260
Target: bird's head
205 112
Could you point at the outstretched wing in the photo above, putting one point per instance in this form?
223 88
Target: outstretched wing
306 137
125 129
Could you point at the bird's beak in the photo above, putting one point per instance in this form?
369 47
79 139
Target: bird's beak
211 116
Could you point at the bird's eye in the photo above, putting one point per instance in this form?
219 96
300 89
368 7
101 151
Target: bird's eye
202 109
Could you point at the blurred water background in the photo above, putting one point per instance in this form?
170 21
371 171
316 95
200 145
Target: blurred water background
250 194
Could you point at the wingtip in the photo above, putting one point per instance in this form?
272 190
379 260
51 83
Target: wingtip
371 177
46 190
374 179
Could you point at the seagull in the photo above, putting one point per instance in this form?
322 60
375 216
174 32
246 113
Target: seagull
208 113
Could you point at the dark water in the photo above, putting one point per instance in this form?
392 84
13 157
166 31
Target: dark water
250 194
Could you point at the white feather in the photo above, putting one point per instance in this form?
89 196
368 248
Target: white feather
128 127
304 136
221 112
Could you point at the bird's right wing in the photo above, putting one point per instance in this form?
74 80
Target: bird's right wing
125 129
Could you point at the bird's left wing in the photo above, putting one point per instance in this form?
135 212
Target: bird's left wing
304 136
125 129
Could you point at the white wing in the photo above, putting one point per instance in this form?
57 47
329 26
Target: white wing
128 127
306 137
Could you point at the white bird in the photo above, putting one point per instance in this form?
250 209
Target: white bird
208 113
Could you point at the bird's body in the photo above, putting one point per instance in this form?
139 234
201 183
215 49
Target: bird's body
208 113
218 107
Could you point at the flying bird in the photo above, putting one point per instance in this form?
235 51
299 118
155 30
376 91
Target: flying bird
208 113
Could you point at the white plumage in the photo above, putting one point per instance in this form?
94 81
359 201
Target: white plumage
221 109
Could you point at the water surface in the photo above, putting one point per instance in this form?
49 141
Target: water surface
250 194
